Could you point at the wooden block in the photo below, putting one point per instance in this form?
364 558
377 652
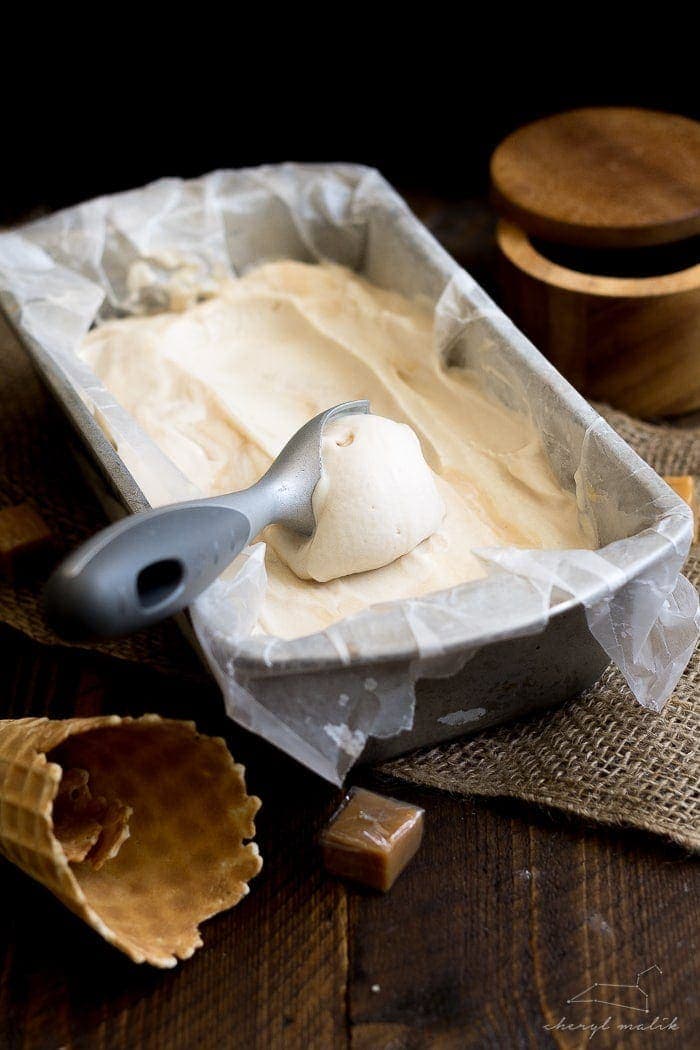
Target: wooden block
23 535
609 176
598 256
629 341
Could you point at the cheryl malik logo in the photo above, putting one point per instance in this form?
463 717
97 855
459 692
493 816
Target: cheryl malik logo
632 997
626 996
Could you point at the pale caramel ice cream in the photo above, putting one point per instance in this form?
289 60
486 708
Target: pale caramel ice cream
222 386
377 499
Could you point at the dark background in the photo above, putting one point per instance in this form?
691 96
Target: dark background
427 111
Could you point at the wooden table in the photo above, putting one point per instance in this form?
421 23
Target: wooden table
505 913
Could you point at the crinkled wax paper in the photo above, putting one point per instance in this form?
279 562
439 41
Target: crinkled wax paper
320 697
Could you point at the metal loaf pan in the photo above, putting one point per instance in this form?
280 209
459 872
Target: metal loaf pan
476 681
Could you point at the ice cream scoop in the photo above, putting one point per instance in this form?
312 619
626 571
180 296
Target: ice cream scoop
154 564
377 499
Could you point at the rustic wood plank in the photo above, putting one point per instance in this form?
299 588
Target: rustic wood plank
506 913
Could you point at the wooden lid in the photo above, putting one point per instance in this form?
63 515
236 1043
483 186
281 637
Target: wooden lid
605 178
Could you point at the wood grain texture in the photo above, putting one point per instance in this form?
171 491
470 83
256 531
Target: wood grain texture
631 342
503 914
604 177
527 913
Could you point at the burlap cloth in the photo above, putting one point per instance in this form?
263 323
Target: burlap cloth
600 755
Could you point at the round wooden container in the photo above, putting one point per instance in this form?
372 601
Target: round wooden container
599 247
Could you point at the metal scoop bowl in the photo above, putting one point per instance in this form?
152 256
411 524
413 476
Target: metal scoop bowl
154 564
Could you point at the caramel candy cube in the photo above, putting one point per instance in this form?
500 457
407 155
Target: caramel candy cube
371 839
23 533
684 486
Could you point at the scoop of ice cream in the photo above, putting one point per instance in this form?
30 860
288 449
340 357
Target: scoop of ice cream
376 501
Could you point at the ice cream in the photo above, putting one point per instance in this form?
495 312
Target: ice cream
222 385
376 500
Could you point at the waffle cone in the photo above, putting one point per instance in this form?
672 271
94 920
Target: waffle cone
175 852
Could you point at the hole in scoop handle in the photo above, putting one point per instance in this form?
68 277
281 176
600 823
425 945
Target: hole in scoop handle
143 569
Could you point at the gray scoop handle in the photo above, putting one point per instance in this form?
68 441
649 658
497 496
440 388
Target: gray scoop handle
153 564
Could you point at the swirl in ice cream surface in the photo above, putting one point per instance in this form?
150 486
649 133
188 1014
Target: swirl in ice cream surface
440 469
